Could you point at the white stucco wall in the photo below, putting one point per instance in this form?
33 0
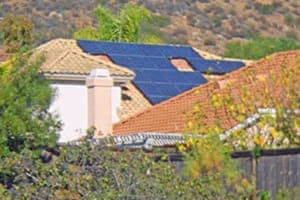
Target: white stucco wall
70 104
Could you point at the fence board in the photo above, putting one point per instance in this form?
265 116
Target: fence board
276 169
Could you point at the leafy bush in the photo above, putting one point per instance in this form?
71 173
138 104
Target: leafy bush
259 47
25 96
265 9
90 171
16 32
125 27
285 194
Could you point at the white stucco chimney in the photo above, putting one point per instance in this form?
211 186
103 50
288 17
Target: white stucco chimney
99 85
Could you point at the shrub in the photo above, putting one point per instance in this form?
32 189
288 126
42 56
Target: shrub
91 171
265 9
259 47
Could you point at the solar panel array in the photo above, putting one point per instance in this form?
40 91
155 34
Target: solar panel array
156 77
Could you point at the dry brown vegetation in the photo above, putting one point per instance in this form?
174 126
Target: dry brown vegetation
206 24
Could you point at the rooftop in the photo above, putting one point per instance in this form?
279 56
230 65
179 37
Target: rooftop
169 116
156 77
63 56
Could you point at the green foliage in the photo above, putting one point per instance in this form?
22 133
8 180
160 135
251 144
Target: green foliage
265 9
25 123
208 155
91 171
209 160
217 21
285 194
277 92
259 47
16 32
264 195
127 26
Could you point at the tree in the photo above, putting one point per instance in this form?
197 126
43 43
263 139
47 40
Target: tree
17 32
125 27
25 96
81 172
259 47
255 109
272 100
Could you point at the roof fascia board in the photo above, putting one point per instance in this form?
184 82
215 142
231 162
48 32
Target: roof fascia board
82 77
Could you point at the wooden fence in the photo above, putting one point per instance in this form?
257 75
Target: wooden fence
273 169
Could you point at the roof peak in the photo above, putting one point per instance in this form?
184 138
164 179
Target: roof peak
135 43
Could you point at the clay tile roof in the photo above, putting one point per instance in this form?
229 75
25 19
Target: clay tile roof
210 56
169 116
63 56
133 101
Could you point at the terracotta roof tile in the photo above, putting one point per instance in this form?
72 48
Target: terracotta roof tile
170 116
210 56
133 101
63 56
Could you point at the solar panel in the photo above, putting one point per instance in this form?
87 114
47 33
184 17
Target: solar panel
193 78
152 51
122 60
168 90
89 47
188 52
156 77
148 89
198 64
141 76
184 87
179 51
163 64
141 62
156 100
133 50
110 48
229 66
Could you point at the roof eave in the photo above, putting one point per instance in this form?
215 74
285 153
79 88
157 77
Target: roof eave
82 77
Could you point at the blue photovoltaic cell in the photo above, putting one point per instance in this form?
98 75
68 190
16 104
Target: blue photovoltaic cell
133 50
181 52
163 64
168 89
152 51
110 48
184 87
139 62
155 76
147 88
229 66
89 47
198 64
122 60
141 76
214 66
169 51
193 78
172 77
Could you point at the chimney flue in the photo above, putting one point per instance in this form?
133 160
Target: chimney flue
99 85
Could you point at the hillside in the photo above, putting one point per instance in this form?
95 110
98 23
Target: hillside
206 24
